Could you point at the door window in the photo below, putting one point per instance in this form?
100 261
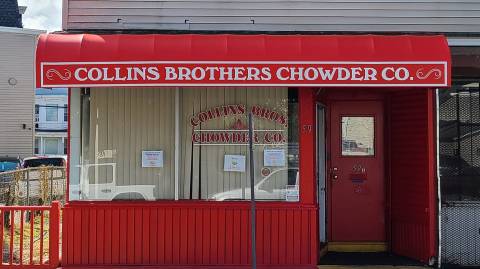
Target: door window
358 136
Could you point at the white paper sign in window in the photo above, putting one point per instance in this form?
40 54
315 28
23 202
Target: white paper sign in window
234 163
152 158
292 193
274 157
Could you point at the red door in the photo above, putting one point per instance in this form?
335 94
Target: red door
356 172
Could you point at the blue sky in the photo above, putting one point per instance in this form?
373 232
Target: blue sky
42 14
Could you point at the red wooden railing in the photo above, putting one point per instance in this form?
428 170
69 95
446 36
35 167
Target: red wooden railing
36 236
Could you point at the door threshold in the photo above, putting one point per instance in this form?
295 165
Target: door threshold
368 260
357 247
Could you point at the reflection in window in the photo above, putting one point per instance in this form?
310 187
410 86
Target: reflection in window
51 112
358 136
120 126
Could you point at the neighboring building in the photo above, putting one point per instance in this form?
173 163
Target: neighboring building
11 14
17 54
51 118
379 163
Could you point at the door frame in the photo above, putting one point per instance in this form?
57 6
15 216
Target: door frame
347 96
321 173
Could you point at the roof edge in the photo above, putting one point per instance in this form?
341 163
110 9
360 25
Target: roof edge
26 31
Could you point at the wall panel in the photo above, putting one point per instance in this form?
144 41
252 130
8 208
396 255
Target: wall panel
275 15
412 165
187 233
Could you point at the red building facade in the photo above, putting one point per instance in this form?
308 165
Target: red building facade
344 146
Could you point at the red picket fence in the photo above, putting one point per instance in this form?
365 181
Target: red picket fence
30 236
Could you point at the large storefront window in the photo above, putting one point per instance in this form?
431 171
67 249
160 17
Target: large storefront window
187 143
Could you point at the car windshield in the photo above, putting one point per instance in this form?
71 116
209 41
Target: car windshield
43 162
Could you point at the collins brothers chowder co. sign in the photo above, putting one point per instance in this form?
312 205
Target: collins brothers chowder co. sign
236 131
175 73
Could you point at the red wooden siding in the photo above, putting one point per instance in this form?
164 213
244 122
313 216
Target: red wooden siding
412 171
187 233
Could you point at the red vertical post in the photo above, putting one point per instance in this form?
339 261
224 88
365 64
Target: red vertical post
432 172
54 231
32 220
12 233
2 216
42 212
307 120
21 235
306 98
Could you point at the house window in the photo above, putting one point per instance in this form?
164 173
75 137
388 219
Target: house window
37 146
51 145
65 113
142 138
51 112
37 113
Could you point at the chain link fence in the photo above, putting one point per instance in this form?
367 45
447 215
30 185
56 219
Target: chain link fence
33 186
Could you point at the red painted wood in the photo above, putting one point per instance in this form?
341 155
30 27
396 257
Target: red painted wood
205 234
180 228
356 216
412 165
152 236
32 227
18 245
260 238
307 145
76 230
168 235
131 236
54 234
138 228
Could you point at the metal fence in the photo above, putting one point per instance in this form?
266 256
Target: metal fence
30 236
459 171
33 186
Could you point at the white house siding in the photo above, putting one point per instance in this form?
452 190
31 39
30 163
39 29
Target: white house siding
17 55
275 15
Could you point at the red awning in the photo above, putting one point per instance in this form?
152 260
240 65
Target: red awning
86 60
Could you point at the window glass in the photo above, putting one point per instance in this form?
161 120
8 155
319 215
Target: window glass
37 113
358 136
37 145
51 145
128 142
215 161
51 112
65 113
